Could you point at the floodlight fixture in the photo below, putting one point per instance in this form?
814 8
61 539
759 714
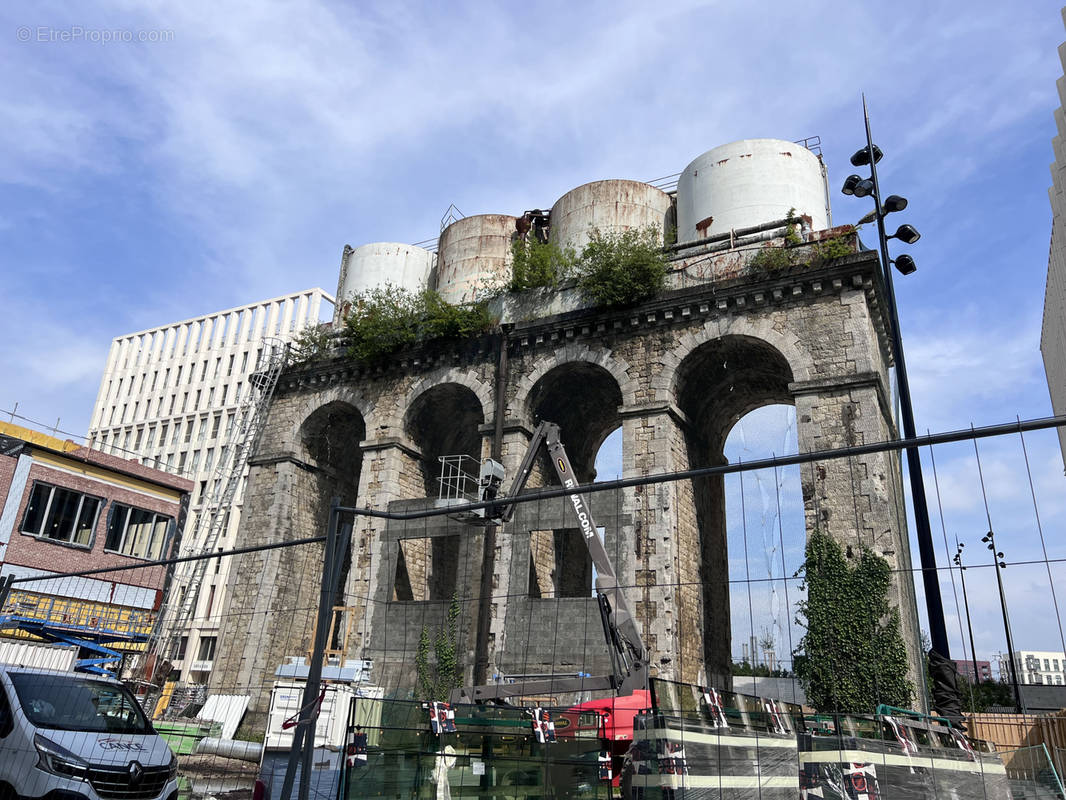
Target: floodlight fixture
864 188
906 233
850 183
862 157
905 264
894 203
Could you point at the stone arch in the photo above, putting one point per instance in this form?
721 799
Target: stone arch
714 385
444 420
470 380
329 439
800 361
584 400
576 353
310 404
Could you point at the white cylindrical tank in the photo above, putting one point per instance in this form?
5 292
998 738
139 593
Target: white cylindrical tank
747 183
378 263
474 255
610 206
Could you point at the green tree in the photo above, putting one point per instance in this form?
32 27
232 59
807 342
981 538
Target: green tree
622 269
436 680
535 264
852 656
388 318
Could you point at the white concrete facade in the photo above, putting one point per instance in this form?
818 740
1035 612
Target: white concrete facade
1047 667
170 395
1053 331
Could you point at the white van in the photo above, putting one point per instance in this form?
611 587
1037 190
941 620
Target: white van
70 735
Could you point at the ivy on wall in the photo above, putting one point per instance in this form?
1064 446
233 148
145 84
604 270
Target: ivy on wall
852 656
435 681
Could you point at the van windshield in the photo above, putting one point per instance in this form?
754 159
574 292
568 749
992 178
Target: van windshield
78 703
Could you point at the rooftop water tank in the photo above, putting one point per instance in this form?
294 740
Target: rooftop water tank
378 263
610 206
747 183
474 254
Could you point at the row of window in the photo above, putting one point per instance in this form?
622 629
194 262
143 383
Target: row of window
142 348
205 652
64 515
131 440
154 407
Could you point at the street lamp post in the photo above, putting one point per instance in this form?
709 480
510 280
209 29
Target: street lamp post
997 559
859 187
966 605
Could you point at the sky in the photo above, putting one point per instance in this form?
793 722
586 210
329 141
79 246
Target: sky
162 161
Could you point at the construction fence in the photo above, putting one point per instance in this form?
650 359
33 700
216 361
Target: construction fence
289 637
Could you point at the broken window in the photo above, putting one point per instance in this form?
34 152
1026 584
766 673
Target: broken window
426 568
559 564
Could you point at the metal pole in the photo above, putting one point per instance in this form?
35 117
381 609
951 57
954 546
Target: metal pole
303 740
969 627
1019 706
934 604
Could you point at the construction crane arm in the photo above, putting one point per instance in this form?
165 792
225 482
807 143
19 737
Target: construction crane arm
629 657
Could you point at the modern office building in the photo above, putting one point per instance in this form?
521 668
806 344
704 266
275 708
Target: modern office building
1053 332
1041 667
175 397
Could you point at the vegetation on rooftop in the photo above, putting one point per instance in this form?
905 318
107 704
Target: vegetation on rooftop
621 269
536 264
389 318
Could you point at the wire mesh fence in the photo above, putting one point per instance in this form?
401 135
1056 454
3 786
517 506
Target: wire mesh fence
402 619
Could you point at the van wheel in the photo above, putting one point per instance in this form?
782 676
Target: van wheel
7 793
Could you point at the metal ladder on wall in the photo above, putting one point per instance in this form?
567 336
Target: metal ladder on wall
241 441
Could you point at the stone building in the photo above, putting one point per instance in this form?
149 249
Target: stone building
771 307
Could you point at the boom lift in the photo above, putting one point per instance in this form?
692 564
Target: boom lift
629 657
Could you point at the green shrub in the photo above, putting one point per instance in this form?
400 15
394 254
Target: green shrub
621 269
383 320
837 247
311 344
537 264
771 259
389 318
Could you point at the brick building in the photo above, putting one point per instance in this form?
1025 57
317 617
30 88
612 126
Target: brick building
68 508
982 671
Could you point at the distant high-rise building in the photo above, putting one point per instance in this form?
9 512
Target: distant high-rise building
171 396
1053 332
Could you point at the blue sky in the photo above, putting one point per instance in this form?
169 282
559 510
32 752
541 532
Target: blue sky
146 182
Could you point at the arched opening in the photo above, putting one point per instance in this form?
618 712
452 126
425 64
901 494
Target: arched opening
331 438
766 534
583 400
717 384
444 421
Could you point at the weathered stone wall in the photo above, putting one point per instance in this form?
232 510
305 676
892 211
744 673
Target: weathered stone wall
675 374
